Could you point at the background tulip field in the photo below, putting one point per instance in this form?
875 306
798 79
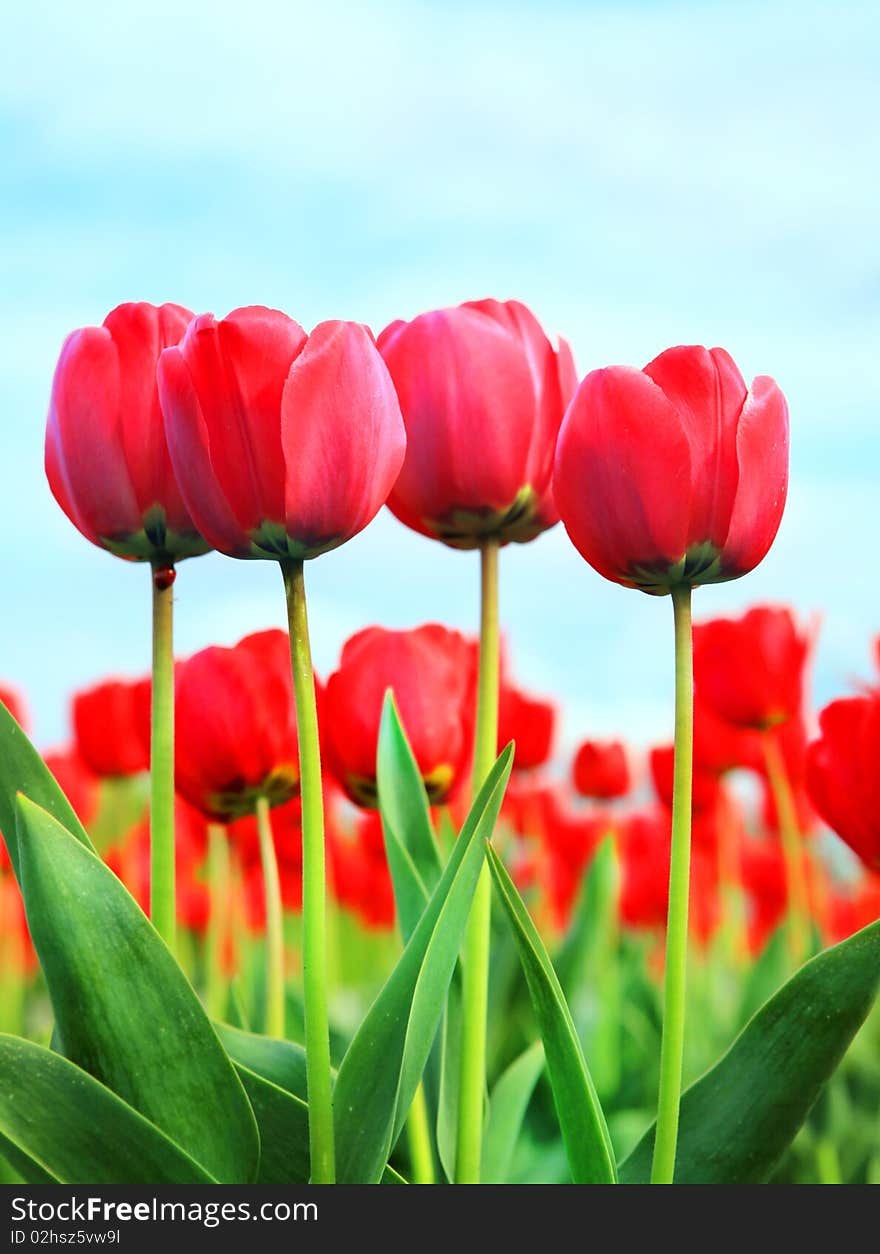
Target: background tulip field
439 731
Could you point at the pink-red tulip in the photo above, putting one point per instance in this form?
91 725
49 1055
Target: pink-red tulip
111 726
750 670
285 444
483 392
530 723
843 779
601 770
431 672
106 456
236 725
675 474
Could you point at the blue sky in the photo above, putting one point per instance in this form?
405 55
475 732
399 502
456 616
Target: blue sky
640 174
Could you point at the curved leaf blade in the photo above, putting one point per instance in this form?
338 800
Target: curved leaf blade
584 1131
124 1010
283 1063
507 1109
739 1118
22 770
283 1120
76 1131
382 1066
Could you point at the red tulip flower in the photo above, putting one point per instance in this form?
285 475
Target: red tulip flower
601 770
530 723
842 773
111 724
106 456
483 392
285 444
237 737
750 670
675 474
430 670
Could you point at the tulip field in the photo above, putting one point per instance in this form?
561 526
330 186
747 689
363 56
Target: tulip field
260 925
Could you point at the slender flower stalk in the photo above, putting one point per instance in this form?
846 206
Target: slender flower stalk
672 1047
274 923
797 918
218 920
314 907
163 910
476 953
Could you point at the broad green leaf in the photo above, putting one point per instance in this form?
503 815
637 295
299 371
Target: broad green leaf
282 1115
737 1120
765 975
507 1109
283 1120
124 1010
22 770
281 1062
413 857
76 1131
382 1067
587 1143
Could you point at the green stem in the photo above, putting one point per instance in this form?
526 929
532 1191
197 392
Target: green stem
274 924
163 909
419 1137
672 1047
217 937
475 981
314 907
792 852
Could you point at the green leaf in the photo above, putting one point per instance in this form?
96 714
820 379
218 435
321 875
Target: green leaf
413 857
587 1143
281 1062
22 770
76 1131
283 1120
737 1120
507 1109
450 1071
382 1067
124 1010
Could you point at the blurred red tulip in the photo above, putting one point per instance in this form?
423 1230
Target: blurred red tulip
285 444
530 723
76 780
849 911
675 474
568 839
359 872
431 672
601 770
482 392
111 726
750 670
14 702
791 738
129 860
705 787
106 456
236 726
644 844
287 838
843 779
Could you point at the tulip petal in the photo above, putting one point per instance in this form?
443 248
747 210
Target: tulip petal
342 435
622 480
190 452
85 462
762 455
708 392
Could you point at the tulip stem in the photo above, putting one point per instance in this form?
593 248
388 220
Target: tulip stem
314 906
475 981
163 909
274 924
672 1046
792 852
218 920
